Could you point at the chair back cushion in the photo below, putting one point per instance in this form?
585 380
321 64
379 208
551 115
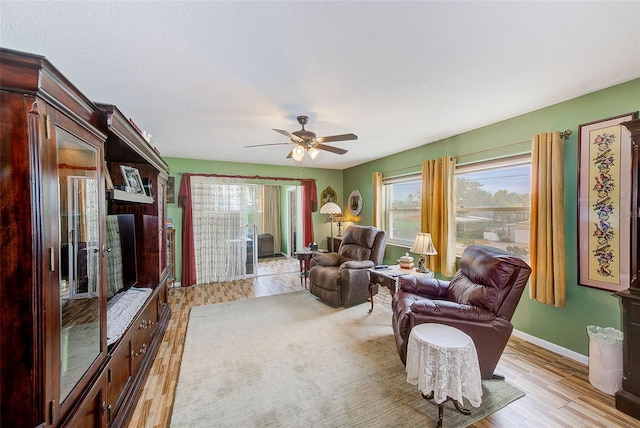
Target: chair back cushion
466 292
490 278
363 243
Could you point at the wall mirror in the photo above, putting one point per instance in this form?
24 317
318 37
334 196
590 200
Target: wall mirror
79 258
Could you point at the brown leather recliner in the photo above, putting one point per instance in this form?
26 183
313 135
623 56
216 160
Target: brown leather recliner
479 300
342 278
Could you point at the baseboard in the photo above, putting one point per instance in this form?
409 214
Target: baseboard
552 347
176 284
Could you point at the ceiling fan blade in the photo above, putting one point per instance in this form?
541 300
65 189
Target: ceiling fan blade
290 155
290 135
332 138
330 149
270 144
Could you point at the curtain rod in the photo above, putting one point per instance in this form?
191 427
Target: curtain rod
563 134
254 177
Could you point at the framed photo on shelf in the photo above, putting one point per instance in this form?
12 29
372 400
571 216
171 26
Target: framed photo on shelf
604 203
107 177
148 189
132 179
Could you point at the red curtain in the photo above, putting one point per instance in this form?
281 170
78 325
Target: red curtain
309 205
188 276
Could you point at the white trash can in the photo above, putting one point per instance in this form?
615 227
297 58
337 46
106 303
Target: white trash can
605 358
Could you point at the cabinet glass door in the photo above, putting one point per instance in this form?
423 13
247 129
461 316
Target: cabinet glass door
79 258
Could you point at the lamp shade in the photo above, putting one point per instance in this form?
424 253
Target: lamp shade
297 153
313 152
330 208
423 245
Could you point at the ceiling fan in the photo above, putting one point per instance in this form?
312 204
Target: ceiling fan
306 141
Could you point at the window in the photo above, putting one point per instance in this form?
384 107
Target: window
402 199
492 205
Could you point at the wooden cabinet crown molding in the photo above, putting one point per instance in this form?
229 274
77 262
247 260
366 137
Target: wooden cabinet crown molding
136 149
34 74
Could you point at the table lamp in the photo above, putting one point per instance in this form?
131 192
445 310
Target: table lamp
339 219
332 209
423 246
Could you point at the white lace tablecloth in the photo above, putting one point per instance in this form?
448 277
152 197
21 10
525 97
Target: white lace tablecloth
443 359
122 309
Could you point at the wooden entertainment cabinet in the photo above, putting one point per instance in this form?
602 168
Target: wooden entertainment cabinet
628 398
60 364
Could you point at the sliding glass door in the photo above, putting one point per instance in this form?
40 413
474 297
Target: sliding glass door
224 214
231 219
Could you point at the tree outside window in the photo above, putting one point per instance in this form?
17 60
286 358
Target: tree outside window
403 199
492 206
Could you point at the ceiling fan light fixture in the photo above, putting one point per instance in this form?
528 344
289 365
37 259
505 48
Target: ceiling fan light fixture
306 141
313 152
298 153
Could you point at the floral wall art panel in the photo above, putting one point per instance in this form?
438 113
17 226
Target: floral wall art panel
604 205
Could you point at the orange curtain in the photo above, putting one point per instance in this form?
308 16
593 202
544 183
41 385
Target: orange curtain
547 283
438 212
377 199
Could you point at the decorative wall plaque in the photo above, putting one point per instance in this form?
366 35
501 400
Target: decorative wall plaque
355 202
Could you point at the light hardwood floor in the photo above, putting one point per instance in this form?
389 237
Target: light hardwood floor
558 392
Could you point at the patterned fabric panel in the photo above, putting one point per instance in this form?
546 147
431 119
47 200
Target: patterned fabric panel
114 257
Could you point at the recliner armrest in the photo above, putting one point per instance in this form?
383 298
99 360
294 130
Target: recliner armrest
326 259
449 309
357 264
423 285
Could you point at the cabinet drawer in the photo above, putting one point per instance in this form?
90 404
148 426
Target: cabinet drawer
142 331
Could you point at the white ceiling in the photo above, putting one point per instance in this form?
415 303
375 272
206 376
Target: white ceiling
207 78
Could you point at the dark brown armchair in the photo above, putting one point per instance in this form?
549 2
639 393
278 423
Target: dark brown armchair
479 300
342 278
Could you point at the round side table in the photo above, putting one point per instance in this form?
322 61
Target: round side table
443 363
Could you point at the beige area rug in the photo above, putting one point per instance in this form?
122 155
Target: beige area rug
291 361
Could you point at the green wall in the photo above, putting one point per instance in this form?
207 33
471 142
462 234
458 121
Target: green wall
565 327
324 178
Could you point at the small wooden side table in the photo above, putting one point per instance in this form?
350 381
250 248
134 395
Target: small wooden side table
305 260
442 361
337 240
389 278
